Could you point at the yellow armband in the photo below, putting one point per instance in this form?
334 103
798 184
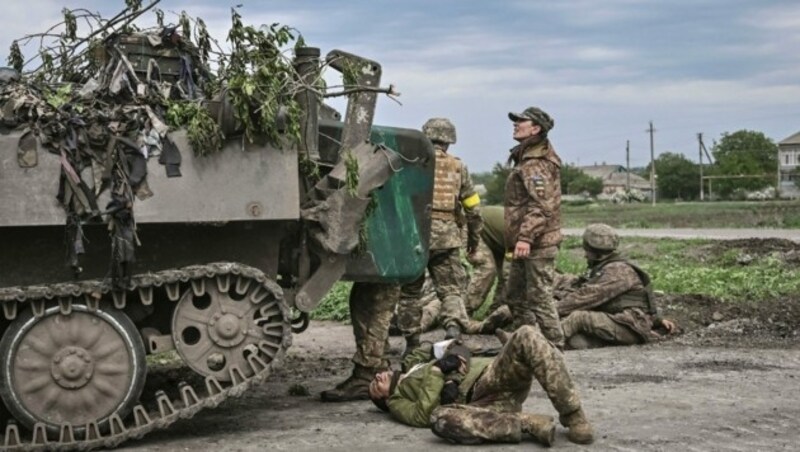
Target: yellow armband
471 201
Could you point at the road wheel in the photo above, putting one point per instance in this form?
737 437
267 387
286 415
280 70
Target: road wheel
77 368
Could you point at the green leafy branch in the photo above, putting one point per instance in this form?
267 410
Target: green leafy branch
202 130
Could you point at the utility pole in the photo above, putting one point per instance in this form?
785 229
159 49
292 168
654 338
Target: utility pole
652 164
700 152
628 165
703 150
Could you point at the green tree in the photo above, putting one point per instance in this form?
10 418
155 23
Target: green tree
481 178
496 185
745 152
574 181
678 177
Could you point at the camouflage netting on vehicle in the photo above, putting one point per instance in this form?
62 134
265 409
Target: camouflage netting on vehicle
105 102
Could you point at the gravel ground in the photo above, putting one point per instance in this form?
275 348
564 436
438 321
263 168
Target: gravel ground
680 394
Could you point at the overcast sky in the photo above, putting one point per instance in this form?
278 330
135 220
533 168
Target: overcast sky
602 69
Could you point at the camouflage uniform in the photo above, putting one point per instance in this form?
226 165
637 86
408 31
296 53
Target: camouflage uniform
610 305
371 307
533 215
489 261
453 190
432 307
490 395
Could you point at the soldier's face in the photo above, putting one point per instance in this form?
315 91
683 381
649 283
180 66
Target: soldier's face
525 128
379 386
591 256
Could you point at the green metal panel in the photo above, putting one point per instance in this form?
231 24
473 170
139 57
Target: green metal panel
398 226
394 240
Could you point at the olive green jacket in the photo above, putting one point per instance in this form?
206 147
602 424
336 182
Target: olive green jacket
418 391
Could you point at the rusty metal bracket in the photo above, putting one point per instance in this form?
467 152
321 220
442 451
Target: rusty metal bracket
360 105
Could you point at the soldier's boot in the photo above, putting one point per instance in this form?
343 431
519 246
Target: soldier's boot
542 428
355 387
580 430
453 331
412 342
502 335
497 319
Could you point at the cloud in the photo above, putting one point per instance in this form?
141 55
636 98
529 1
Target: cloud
600 54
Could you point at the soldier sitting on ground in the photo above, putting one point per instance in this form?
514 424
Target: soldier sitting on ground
612 304
469 400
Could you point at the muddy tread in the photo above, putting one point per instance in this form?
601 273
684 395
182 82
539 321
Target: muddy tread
141 422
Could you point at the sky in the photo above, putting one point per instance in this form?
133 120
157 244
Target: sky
602 70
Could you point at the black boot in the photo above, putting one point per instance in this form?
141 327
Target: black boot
355 387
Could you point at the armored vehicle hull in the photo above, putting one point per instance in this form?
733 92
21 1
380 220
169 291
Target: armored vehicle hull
230 258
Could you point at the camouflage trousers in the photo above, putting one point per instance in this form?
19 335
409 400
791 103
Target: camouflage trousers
486 265
592 329
493 413
498 318
449 279
371 308
529 295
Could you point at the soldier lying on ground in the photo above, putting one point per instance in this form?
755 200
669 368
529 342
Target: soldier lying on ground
472 400
612 304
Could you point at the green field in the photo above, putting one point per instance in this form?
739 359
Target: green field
743 271
742 214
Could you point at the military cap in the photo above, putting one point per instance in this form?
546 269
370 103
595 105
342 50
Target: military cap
535 114
601 237
440 129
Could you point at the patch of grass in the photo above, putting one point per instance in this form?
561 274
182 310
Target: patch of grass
335 305
742 214
677 268
698 267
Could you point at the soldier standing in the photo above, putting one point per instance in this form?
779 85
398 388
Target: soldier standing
533 223
371 307
452 190
613 303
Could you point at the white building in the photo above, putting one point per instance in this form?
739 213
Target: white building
789 166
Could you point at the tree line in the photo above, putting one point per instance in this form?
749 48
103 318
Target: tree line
742 153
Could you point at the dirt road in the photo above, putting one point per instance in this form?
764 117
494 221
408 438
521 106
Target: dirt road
679 395
693 233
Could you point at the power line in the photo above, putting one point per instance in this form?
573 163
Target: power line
652 164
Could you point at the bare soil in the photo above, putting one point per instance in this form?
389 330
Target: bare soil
729 381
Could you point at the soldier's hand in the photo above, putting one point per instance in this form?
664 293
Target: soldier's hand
669 325
463 367
522 250
449 393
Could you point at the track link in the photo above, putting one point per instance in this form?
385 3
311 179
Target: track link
141 421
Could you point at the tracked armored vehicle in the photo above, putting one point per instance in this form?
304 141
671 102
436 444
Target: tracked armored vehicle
232 257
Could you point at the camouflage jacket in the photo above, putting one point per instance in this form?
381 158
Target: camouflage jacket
613 286
418 391
445 231
533 198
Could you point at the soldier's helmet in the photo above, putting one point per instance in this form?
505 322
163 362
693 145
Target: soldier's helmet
537 115
601 237
440 129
